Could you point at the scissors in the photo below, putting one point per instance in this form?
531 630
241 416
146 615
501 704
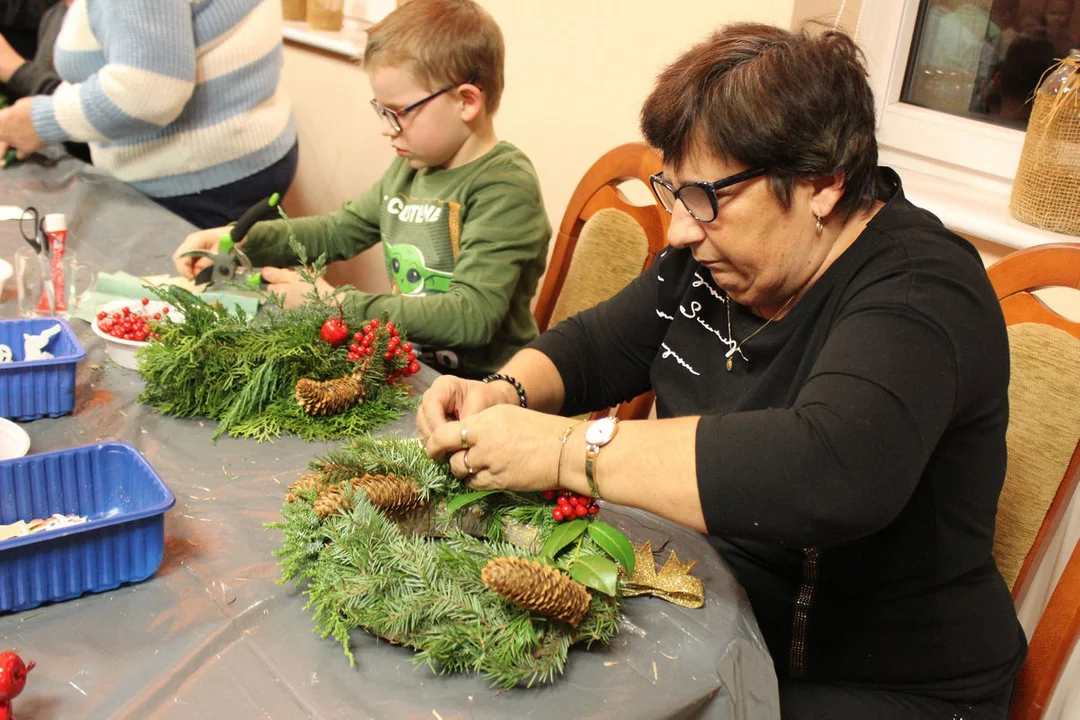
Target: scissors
41 247
230 262
37 240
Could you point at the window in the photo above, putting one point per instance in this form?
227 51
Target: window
951 76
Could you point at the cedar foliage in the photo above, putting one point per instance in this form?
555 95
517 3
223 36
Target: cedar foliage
241 370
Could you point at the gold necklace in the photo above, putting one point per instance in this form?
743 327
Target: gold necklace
736 347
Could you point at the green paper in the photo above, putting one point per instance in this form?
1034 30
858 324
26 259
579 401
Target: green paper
125 286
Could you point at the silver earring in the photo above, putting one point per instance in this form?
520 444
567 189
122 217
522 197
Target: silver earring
819 225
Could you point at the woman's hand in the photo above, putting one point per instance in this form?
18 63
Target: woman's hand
17 129
291 285
509 448
207 240
450 398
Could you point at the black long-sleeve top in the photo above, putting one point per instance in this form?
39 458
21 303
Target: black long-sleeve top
849 467
38 76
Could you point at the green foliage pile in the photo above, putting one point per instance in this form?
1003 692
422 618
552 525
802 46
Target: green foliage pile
241 370
424 590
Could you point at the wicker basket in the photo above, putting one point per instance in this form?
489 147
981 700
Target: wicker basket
1046 191
326 14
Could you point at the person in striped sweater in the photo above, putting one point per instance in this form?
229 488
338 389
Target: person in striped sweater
178 98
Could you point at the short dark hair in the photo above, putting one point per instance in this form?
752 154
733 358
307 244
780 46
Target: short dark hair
795 103
443 42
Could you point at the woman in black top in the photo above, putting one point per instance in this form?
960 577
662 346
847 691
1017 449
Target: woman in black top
830 367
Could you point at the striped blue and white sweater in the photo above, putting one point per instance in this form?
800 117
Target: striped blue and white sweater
174 96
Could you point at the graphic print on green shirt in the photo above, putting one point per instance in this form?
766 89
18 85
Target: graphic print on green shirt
408 273
420 241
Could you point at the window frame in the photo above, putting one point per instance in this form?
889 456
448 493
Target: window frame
932 141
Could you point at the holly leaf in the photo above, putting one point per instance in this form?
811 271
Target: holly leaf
562 536
459 501
596 572
614 543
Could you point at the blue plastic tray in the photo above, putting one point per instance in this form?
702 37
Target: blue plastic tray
39 388
112 485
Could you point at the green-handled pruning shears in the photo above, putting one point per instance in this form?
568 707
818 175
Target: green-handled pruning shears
229 261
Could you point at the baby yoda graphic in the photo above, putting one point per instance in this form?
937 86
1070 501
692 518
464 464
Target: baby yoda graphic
410 275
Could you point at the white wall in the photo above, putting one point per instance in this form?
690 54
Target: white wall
577 72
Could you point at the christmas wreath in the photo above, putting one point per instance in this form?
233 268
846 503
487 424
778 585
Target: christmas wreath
300 371
506 590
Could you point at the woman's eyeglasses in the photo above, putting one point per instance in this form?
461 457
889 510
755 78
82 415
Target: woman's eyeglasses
699 198
394 116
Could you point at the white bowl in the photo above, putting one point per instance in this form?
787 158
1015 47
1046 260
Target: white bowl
6 271
14 442
119 350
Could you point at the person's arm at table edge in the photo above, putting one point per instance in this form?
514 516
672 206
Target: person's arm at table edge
146 82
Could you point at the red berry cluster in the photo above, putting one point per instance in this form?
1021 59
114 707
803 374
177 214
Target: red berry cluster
570 505
129 325
399 357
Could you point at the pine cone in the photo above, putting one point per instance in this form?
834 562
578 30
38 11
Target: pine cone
392 493
329 397
538 588
332 501
329 468
310 482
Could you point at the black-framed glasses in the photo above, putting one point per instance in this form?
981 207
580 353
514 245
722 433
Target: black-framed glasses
699 198
394 116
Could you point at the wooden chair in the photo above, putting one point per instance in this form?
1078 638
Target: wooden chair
604 242
1044 456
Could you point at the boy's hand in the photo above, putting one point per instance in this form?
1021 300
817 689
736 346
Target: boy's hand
291 285
206 240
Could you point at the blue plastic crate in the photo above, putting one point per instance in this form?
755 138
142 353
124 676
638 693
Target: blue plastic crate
39 388
123 542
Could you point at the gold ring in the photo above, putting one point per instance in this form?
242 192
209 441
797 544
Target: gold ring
464 437
468 467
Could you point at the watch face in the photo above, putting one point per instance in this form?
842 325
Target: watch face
601 431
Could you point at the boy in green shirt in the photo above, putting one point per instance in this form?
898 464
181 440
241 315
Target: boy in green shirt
459 213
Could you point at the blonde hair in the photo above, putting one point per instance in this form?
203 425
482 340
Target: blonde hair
442 42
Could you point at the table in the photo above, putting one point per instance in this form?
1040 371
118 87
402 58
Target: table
213 635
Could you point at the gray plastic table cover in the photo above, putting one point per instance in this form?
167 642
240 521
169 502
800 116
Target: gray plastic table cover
213 635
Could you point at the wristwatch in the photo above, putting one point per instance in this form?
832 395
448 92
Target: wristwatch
597 435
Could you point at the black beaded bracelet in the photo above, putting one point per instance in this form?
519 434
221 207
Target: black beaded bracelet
513 381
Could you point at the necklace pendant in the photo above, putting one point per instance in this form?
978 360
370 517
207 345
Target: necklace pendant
730 364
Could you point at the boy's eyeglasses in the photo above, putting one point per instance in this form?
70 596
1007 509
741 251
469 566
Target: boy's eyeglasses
699 198
394 116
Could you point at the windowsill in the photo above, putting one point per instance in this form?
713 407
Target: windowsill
348 42
978 210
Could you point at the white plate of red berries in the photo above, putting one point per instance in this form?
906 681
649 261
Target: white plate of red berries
127 325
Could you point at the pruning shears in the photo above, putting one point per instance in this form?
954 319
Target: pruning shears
230 262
